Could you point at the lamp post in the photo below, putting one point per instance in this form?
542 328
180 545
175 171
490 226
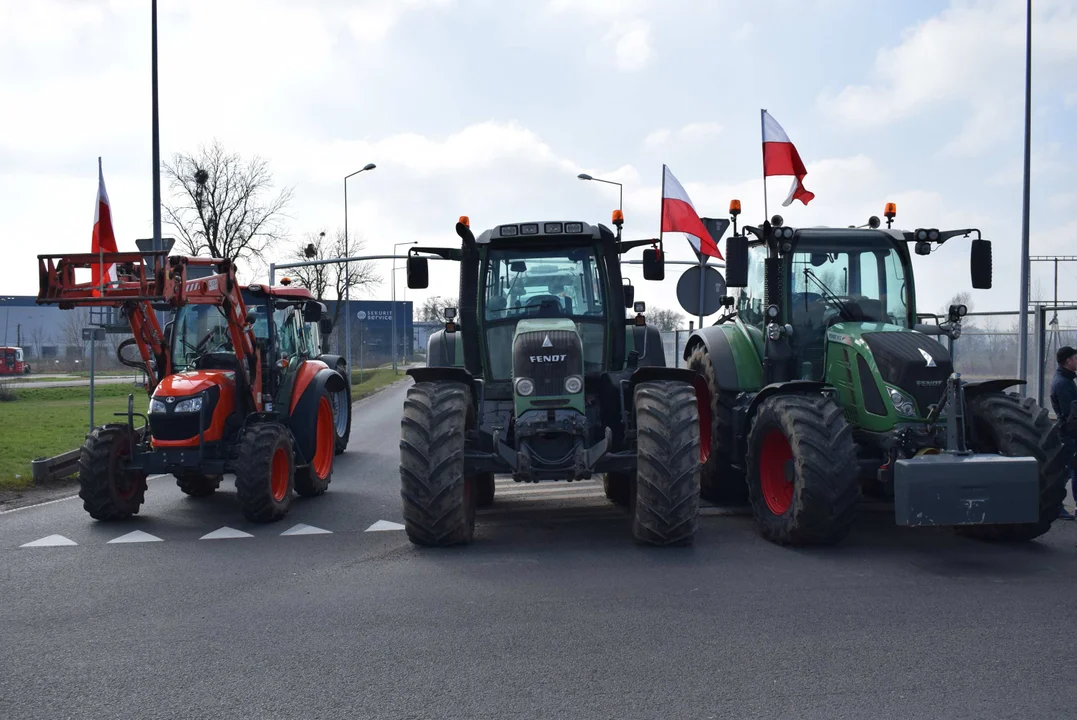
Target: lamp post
620 188
1022 339
347 278
155 131
413 242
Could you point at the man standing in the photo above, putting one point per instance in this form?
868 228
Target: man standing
1064 402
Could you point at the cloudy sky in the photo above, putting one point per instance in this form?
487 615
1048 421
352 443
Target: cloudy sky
490 108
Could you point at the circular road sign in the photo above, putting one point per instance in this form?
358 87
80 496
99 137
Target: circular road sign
689 287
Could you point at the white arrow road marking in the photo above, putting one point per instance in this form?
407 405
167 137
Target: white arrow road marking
50 541
225 533
136 536
381 525
302 529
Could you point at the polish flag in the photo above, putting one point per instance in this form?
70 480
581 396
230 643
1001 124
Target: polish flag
679 215
780 157
104 240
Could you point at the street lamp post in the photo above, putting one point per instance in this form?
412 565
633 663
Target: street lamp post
413 242
347 279
1022 339
620 188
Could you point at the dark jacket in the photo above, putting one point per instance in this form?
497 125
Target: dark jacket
1064 402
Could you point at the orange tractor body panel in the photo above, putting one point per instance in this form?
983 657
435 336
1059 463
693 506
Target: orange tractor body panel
173 389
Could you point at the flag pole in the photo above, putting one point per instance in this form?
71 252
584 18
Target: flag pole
662 210
100 246
763 145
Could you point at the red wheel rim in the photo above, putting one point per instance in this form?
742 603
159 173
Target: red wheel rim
776 472
279 474
325 440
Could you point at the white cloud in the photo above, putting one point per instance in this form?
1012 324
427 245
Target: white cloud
970 56
631 43
628 34
691 133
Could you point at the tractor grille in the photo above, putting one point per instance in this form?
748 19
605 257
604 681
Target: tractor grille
183 426
547 357
902 362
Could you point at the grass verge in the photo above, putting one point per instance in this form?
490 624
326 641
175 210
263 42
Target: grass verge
43 422
370 381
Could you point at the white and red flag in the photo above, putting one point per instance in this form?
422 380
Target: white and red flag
679 215
780 157
104 239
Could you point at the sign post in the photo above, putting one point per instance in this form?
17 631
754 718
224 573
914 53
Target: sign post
362 316
92 334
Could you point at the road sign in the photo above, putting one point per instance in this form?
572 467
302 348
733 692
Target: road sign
361 314
690 291
93 333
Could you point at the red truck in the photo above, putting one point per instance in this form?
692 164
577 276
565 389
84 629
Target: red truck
12 362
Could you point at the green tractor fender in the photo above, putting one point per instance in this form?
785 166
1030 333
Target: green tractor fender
973 389
798 387
450 374
703 397
737 364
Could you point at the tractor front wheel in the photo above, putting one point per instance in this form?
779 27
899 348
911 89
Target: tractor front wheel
342 410
439 499
618 488
196 484
666 508
265 472
313 480
109 489
720 483
802 470
1006 424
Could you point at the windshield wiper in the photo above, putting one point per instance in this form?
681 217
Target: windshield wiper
829 295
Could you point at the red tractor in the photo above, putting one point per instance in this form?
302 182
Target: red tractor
224 397
12 362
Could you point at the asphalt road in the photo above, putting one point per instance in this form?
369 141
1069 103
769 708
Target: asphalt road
552 613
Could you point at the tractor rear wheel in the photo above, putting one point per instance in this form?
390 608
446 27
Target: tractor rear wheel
265 472
313 480
108 488
802 470
720 482
196 484
484 490
666 508
342 410
439 499
1006 424
618 488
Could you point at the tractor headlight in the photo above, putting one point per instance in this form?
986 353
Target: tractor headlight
902 404
189 405
573 384
525 386
156 406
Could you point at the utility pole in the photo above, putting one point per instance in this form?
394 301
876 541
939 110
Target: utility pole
1022 339
157 245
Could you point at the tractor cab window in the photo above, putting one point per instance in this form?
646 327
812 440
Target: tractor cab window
750 306
836 280
528 283
199 331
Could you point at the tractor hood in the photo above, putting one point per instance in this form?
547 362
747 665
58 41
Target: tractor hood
192 382
913 362
547 351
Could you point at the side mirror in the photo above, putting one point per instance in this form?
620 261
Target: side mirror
418 272
654 266
312 311
325 325
630 295
518 266
736 261
981 264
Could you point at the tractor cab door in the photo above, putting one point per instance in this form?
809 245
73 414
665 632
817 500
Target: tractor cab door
290 349
7 361
751 303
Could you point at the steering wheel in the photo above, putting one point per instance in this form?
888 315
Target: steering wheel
216 331
544 301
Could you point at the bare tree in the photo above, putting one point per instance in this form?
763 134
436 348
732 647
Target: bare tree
433 308
356 277
665 320
223 205
316 278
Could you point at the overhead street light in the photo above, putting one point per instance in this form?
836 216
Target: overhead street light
347 278
620 188
395 246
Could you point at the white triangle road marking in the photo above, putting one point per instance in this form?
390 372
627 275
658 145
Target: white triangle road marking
50 541
302 529
225 533
136 536
382 525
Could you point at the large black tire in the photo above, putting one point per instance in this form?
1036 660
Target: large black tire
439 500
802 470
265 472
484 490
1006 424
313 479
196 484
720 482
666 504
110 491
342 411
618 488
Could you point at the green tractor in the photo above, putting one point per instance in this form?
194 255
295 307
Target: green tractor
824 386
542 376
